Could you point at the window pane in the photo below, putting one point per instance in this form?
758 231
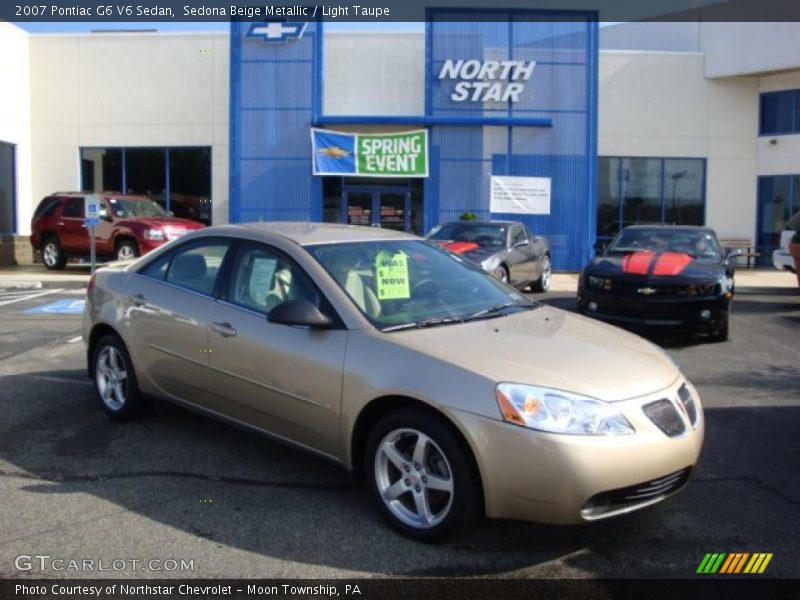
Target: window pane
73 209
190 183
146 174
641 190
776 112
7 195
683 192
196 267
607 196
773 211
101 169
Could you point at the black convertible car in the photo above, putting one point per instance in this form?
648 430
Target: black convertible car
506 249
661 275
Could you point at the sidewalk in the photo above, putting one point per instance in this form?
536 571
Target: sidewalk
76 276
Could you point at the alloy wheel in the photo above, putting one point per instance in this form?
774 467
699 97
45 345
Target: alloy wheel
50 254
111 377
414 478
125 252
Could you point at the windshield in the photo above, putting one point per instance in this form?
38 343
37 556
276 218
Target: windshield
483 234
694 242
410 283
126 207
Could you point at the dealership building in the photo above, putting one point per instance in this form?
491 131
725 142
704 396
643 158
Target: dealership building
544 118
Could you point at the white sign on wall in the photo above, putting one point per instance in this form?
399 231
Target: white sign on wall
487 80
520 195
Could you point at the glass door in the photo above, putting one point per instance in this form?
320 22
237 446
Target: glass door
358 208
387 208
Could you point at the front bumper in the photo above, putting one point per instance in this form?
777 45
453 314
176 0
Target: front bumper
566 479
703 314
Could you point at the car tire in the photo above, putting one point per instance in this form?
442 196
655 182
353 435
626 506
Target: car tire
501 273
115 383
723 333
127 250
52 255
427 499
543 283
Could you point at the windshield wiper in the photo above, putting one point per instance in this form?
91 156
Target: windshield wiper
494 311
432 322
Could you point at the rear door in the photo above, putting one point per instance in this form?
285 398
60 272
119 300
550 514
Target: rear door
521 255
280 378
72 235
168 306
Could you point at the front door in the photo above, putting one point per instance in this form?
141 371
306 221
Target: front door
388 208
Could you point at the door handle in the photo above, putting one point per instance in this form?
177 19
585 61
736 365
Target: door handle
138 300
224 329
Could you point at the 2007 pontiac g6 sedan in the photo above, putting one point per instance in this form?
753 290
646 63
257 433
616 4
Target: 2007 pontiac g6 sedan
454 394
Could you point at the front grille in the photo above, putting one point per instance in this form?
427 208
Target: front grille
665 417
652 290
629 498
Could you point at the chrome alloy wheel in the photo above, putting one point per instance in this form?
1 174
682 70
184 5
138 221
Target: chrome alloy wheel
50 253
414 478
126 252
111 378
546 273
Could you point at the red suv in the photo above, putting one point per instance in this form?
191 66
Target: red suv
129 226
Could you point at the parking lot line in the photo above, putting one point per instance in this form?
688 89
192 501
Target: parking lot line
30 297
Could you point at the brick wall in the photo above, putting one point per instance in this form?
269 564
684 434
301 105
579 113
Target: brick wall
15 250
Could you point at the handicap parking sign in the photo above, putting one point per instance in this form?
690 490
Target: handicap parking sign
92 211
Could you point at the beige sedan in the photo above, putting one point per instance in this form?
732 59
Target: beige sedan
451 392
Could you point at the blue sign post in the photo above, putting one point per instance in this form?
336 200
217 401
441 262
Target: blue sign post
92 220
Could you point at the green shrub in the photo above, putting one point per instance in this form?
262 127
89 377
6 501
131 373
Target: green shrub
468 216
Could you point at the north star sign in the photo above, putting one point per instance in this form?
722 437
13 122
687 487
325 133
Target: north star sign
488 80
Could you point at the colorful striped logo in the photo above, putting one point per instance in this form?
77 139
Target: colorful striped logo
734 563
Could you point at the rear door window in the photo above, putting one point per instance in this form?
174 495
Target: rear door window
197 265
73 209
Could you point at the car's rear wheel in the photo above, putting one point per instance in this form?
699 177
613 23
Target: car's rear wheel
420 475
543 283
501 273
127 250
115 380
52 255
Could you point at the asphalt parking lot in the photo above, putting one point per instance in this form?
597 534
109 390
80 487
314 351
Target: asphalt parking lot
76 486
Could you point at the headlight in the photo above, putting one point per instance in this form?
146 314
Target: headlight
599 283
559 412
154 235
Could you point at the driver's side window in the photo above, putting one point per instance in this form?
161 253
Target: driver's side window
518 236
263 278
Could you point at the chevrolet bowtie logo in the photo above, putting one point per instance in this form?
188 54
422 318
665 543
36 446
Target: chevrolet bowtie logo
277 31
334 152
647 291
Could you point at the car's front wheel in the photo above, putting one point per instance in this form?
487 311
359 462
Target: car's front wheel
127 250
52 255
543 283
420 475
723 333
115 380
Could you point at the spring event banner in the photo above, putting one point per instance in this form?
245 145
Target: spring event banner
370 155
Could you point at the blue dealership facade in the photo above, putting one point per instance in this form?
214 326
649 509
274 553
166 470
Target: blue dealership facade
509 95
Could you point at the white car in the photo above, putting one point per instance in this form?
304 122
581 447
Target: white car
781 258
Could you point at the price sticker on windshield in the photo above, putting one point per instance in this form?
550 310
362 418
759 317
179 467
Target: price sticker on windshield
392 276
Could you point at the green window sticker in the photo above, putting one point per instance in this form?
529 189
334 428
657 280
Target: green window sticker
392 276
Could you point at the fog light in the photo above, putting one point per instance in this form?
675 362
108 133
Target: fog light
705 314
592 306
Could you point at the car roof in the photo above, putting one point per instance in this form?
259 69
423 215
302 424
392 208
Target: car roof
670 227
305 233
105 195
475 222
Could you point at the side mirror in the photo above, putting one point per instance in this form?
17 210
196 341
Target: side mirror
733 253
170 213
600 248
299 312
520 244
103 214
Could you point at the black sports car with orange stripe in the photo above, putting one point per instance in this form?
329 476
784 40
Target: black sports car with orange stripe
662 275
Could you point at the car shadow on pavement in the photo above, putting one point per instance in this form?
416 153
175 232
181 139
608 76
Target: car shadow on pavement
195 480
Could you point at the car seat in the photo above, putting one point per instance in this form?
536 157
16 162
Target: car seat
189 270
344 269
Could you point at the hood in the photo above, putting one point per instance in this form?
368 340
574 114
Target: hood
161 222
471 250
656 264
550 348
